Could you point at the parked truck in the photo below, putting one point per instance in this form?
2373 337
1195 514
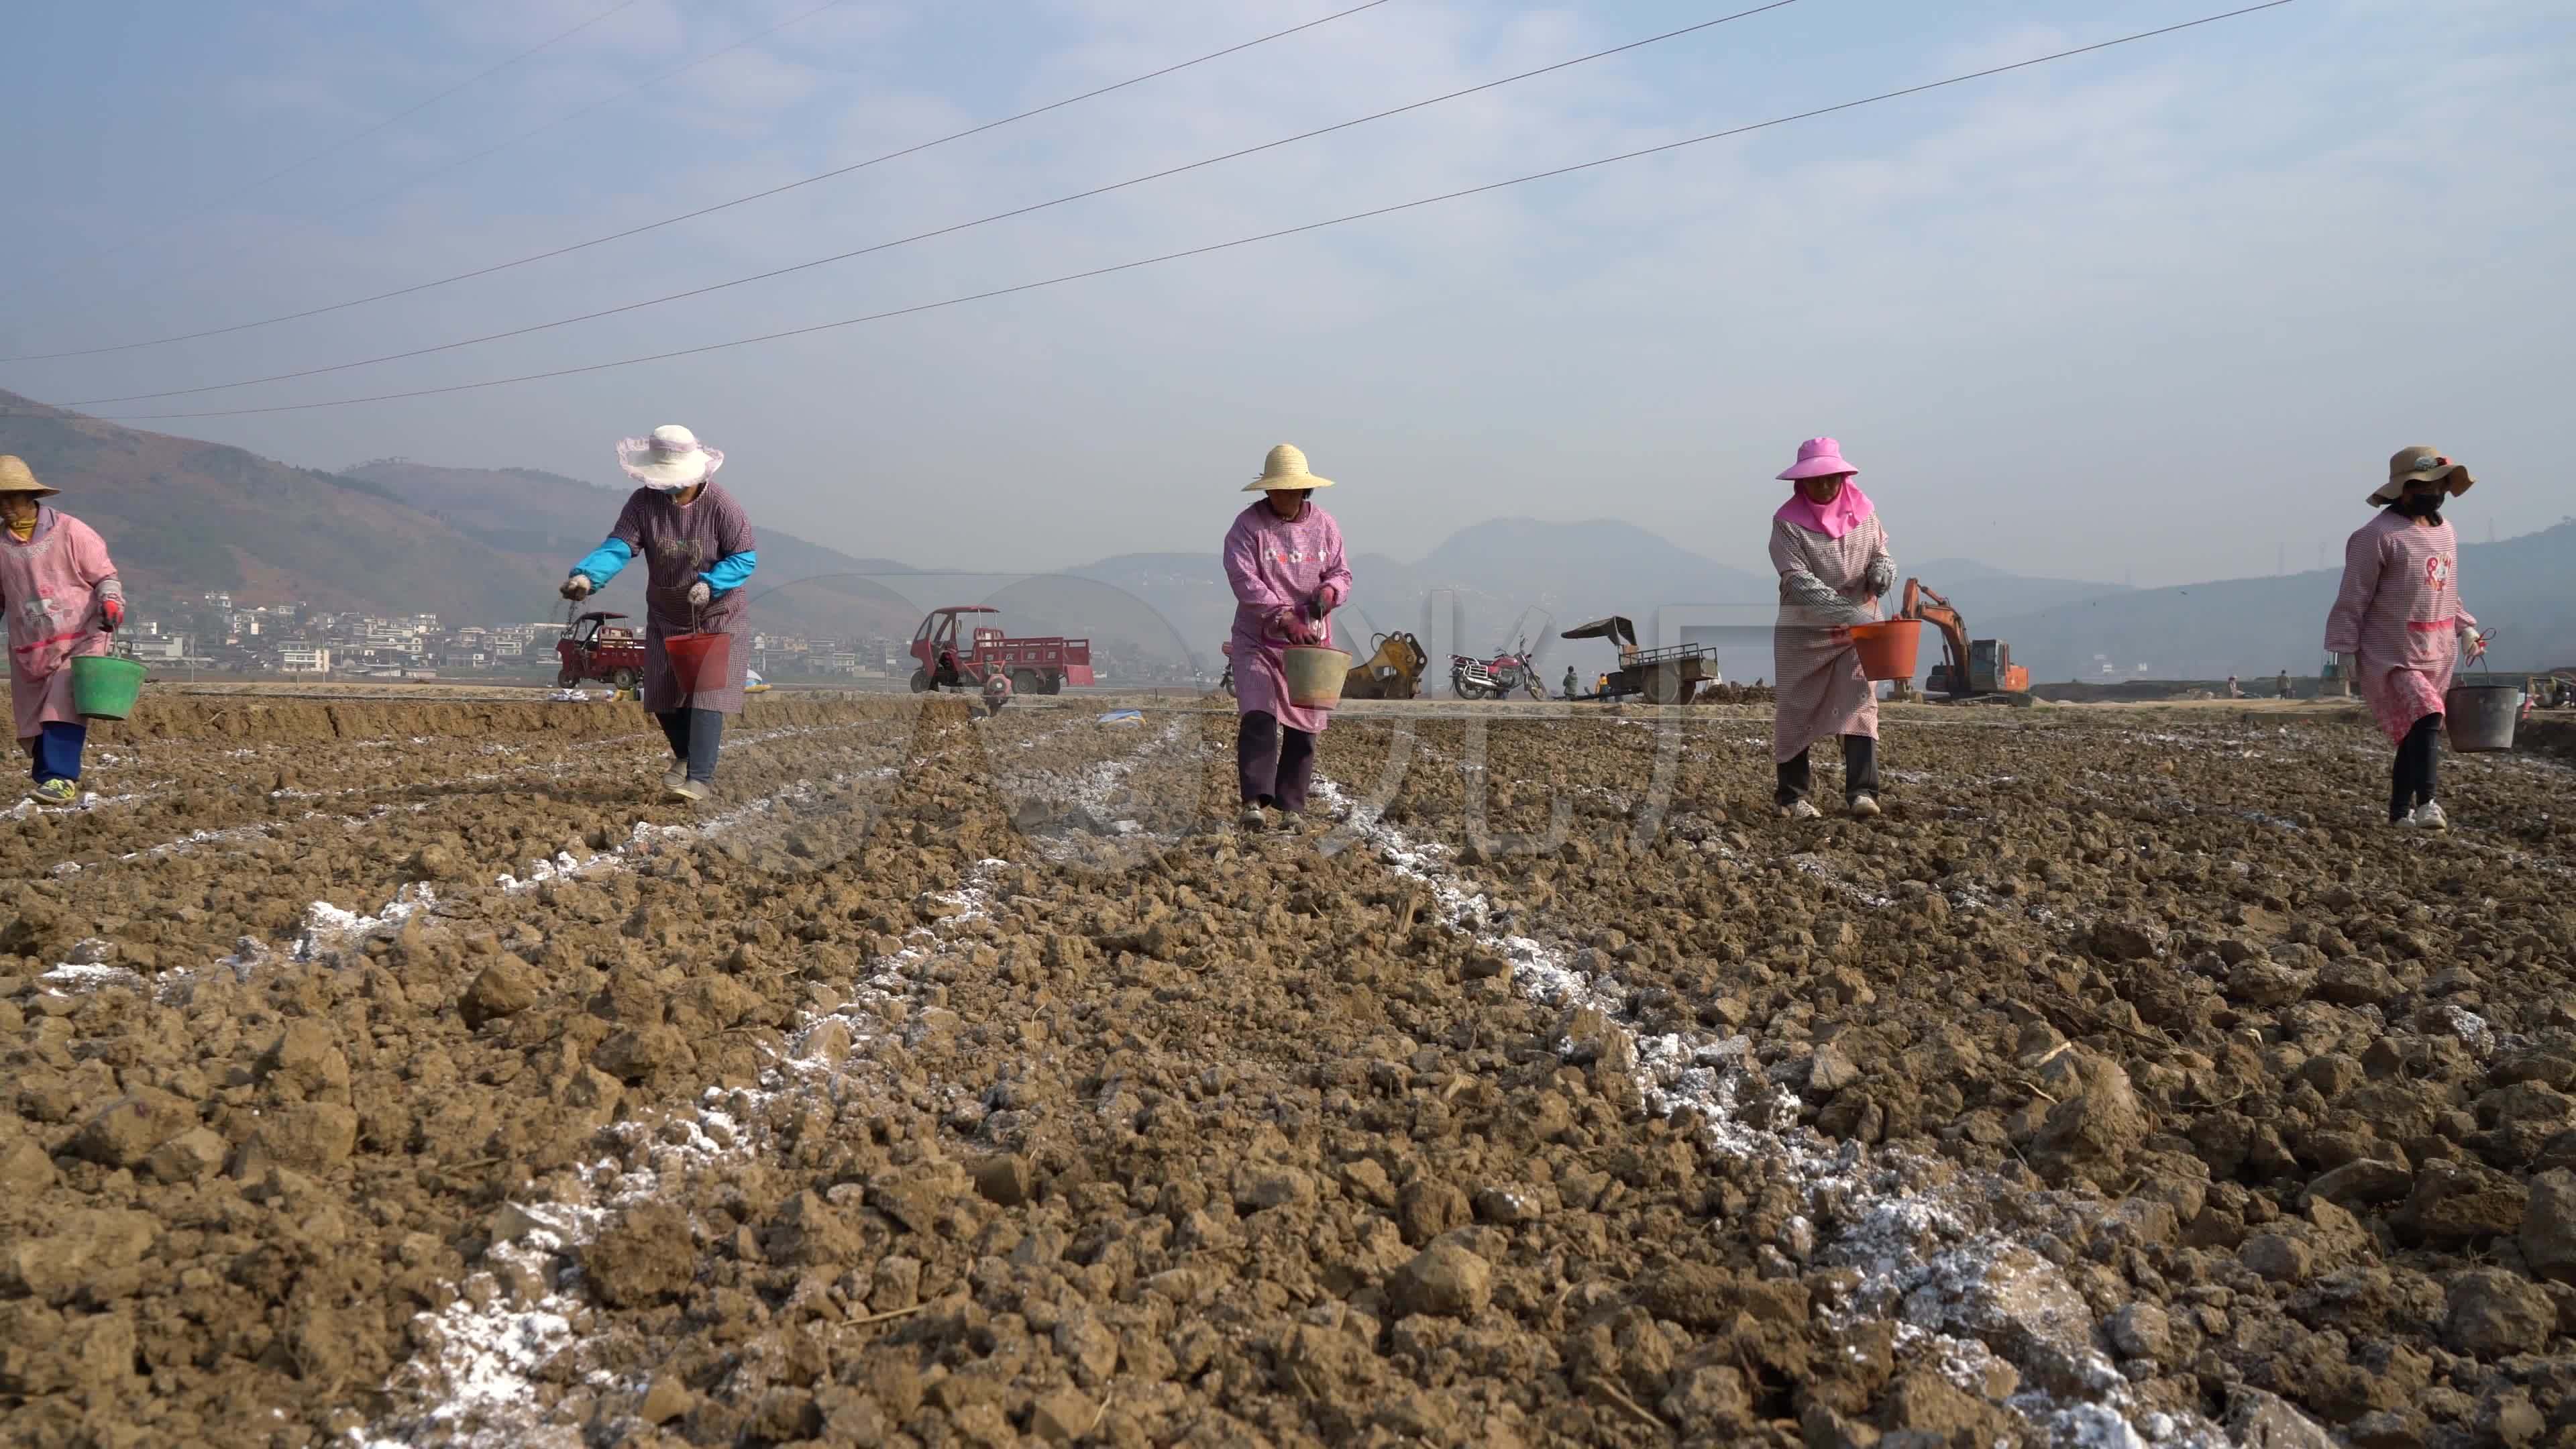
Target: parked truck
1032 666
598 647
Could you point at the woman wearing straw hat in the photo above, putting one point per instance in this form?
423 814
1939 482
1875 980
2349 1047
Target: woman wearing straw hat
696 543
64 599
1831 552
1284 558
2398 626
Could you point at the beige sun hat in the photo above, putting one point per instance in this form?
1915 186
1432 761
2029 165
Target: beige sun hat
1285 468
671 457
2421 465
17 477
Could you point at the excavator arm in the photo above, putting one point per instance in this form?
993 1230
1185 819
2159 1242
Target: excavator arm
1921 603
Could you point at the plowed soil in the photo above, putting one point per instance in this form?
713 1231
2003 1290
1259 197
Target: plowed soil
407 1074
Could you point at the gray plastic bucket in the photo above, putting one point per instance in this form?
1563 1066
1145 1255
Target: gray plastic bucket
2481 716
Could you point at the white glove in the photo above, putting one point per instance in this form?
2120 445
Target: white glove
2473 642
2344 665
577 587
699 593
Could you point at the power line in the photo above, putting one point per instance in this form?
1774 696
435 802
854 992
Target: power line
1213 247
956 227
567 250
344 143
664 78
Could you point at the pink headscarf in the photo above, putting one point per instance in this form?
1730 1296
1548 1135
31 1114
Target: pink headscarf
1823 458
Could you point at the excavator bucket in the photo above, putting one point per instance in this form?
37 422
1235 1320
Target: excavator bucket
1617 629
1393 670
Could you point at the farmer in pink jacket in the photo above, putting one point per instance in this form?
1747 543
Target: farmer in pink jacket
63 599
2398 625
1284 558
1831 551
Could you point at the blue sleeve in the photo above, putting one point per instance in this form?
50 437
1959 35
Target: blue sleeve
603 563
730 571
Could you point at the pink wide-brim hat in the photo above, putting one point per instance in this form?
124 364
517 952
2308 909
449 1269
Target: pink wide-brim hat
1817 458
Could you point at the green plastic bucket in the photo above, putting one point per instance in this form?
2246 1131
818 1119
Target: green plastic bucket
104 686
1315 675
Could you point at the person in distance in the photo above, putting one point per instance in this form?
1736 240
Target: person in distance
64 600
697 548
1831 552
1283 557
2398 626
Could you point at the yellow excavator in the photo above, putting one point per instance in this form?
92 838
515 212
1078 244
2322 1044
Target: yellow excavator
1393 669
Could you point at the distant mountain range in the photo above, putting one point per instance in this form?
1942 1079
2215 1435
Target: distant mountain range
2524 588
489 545
546 521
183 517
1493 583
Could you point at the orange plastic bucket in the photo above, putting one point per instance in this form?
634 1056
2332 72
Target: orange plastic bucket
1887 650
698 661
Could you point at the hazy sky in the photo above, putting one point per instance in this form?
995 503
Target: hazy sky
2162 310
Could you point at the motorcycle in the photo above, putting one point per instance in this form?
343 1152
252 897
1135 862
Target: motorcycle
1500 677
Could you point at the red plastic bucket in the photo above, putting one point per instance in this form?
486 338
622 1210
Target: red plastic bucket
1887 650
698 661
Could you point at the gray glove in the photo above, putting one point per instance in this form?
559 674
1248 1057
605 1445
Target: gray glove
1881 577
577 587
699 593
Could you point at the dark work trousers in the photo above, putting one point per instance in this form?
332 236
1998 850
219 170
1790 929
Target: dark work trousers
694 735
2418 757
57 750
1277 763
1860 772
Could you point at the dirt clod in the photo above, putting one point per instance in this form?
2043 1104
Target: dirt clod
648 1256
1443 1279
124 1132
505 988
2492 1313
2549 1226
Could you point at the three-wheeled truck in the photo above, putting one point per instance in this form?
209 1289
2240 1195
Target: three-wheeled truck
1670 675
598 647
1032 666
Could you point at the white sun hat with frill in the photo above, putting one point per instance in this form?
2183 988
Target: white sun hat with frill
671 458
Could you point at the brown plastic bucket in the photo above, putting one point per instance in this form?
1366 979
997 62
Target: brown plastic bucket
1887 650
698 661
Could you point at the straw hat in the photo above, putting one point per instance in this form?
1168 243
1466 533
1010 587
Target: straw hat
1285 468
671 458
17 477
2421 465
